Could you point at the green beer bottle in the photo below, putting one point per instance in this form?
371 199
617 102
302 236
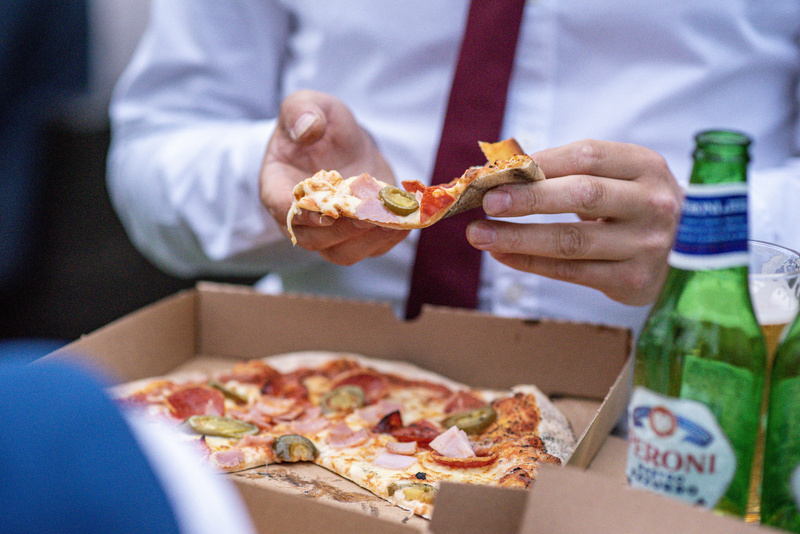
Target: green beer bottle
699 362
780 486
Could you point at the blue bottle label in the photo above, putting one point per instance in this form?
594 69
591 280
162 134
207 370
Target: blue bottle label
712 233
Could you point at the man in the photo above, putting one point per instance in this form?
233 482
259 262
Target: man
363 87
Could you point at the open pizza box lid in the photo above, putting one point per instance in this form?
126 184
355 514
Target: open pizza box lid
582 367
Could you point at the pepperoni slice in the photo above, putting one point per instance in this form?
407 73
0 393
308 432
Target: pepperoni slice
288 385
434 198
196 400
372 383
423 432
474 461
390 422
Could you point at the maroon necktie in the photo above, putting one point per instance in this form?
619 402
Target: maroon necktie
447 268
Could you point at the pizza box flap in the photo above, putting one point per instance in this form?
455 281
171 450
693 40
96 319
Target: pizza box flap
568 500
464 508
268 510
478 349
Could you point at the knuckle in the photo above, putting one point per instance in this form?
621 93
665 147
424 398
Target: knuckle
588 194
658 244
639 276
535 199
665 205
656 161
587 154
570 242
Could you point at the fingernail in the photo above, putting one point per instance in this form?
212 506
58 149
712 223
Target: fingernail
301 125
362 225
323 220
496 202
480 233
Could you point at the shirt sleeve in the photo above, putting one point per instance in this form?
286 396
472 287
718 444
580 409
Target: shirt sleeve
191 117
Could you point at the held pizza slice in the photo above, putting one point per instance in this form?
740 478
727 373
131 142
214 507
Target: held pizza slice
366 198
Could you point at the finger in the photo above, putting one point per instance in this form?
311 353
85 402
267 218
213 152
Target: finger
318 238
622 161
594 240
311 218
302 116
624 281
588 196
374 242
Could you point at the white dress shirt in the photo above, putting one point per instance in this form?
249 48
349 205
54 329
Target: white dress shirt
194 110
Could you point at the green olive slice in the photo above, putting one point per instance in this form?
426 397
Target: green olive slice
342 399
228 392
398 201
294 448
217 425
414 491
472 421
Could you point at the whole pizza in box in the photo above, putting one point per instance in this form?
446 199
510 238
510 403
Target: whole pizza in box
392 428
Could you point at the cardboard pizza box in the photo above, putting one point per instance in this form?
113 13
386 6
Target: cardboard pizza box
582 367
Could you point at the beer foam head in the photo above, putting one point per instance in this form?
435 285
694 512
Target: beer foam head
774 301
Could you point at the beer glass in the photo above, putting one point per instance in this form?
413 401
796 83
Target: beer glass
774 278
774 288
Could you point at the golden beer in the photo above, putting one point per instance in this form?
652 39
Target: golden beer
774 288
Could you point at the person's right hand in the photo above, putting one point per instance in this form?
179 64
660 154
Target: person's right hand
316 131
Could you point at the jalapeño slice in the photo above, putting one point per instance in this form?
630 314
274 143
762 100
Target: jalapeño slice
294 448
473 421
414 491
217 425
228 392
398 201
342 399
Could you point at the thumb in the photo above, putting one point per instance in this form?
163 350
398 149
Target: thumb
302 117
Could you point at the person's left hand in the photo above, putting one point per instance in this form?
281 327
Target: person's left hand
629 205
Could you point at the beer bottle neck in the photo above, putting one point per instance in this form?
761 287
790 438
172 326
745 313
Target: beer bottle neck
720 157
712 233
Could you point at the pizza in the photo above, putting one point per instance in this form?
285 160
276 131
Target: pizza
417 205
391 427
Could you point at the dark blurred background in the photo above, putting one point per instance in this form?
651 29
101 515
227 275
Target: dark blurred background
66 265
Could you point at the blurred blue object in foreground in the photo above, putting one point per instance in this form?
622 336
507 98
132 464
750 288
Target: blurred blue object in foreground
70 463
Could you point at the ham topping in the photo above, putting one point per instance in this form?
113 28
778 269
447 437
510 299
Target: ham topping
453 443
394 461
256 440
342 436
311 422
227 459
400 447
365 186
373 413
